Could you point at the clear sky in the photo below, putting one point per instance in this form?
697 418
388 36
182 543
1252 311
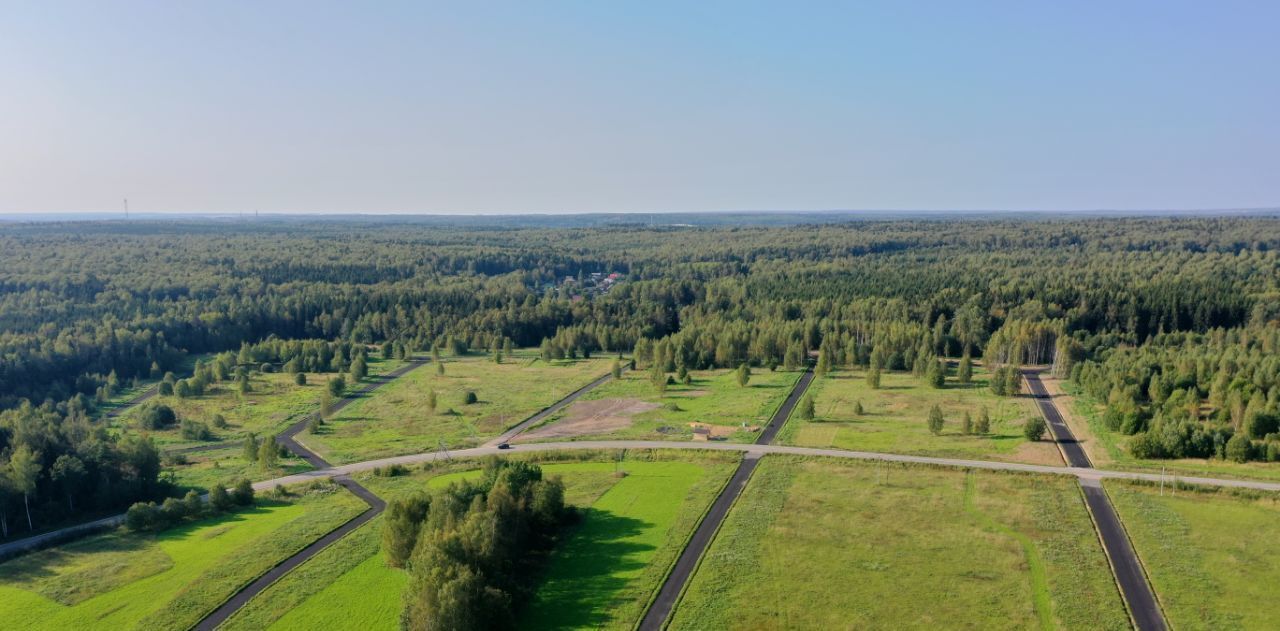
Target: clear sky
543 106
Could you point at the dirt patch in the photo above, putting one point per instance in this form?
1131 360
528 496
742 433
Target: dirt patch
721 431
593 417
1041 452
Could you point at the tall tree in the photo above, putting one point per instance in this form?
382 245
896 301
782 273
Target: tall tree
24 472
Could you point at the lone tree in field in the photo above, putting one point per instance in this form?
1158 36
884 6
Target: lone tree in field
300 379
267 453
744 375
251 447
439 368
359 369
936 373
873 378
806 408
470 397
1034 428
966 424
497 356
431 401
965 373
616 369
337 385
857 408
983 426
935 420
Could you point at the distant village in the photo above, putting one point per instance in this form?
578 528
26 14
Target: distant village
577 288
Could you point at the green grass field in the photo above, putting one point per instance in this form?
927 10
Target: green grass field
1113 445
1211 556
274 403
169 580
602 575
204 469
397 420
714 397
894 419
818 544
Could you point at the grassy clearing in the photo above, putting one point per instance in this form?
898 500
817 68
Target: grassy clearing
396 419
714 397
602 575
275 401
1211 555
894 419
853 545
171 580
1113 444
202 470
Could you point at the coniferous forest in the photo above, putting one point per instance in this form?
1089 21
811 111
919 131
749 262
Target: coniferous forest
1174 323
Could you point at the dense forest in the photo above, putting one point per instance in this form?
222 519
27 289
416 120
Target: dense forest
1173 322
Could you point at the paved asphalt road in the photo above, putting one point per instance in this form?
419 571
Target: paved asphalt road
288 439
1134 586
660 609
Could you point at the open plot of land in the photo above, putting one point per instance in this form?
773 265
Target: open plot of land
602 575
169 580
894 419
632 408
1211 556
1086 413
819 544
396 419
204 469
271 405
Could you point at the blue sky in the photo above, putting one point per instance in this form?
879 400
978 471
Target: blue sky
642 106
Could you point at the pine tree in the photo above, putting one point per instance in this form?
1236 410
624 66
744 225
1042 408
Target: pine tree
431 401
857 408
935 420
873 378
935 373
267 453
251 447
966 424
965 373
744 375
439 368
616 369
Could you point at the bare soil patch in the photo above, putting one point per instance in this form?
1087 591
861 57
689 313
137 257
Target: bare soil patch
593 417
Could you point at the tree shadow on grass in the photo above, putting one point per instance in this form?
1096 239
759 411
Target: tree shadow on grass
581 582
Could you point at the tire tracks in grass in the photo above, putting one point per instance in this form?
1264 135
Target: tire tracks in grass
1035 562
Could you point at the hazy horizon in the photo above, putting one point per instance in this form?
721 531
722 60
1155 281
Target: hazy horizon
577 108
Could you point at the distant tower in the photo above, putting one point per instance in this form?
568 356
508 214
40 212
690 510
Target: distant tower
126 209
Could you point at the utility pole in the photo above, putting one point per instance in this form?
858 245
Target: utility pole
126 209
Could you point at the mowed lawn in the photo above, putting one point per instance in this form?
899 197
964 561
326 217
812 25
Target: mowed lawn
819 544
396 419
169 580
602 575
894 418
273 403
714 398
1213 557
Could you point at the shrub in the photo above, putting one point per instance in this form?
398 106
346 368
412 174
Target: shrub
469 398
242 493
219 421
142 516
219 499
157 416
300 379
806 408
935 420
195 430
1034 428
1239 448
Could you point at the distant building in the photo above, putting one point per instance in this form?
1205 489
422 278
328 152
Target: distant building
702 433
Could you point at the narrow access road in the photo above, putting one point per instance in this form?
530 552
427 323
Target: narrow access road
241 598
1134 586
376 504
669 594
520 427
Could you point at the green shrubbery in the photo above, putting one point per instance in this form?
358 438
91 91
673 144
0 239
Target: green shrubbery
469 548
147 516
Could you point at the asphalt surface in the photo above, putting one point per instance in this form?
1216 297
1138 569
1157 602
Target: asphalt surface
661 606
660 609
376 505
1132 580
1072 452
